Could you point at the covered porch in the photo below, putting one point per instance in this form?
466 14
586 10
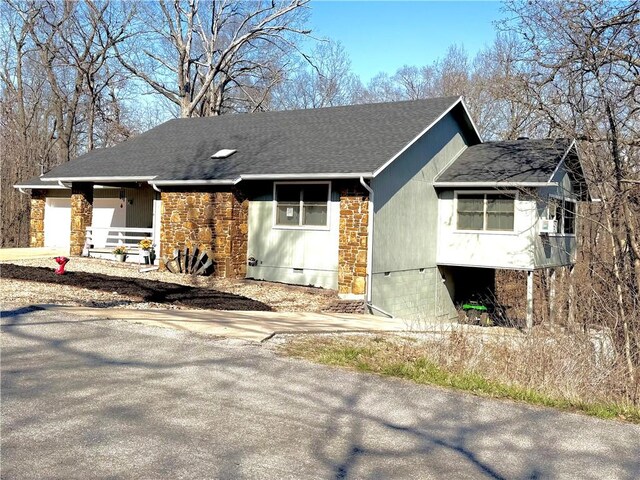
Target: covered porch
92 219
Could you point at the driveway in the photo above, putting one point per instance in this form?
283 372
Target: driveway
246 325
9 254
111 399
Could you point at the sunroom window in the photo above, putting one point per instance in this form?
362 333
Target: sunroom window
485 211
300 205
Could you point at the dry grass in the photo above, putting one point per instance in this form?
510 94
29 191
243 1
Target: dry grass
557 370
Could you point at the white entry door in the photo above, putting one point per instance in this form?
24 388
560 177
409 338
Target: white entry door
57 222
107 213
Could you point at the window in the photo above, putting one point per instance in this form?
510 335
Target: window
569 217
300 205
563 211
485 211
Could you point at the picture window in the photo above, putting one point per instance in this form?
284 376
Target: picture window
301 205
485 211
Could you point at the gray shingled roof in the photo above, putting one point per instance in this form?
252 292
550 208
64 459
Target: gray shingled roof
513 161
337 140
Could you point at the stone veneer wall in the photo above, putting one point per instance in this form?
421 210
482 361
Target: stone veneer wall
352 246
239 234
81 215
213 221
36 223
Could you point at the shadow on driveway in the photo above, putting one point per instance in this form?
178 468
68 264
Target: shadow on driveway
127 402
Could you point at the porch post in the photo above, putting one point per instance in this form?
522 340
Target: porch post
36 220
571 314
81 215
529 299
552 296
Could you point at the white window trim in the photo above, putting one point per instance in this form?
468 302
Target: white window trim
561 220
275 225
515 194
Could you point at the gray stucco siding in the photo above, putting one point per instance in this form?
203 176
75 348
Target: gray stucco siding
405 279
297 256
417 295
406 204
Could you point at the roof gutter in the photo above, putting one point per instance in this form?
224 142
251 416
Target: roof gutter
261 176
99 179
494 184
38 187
303 176
168 183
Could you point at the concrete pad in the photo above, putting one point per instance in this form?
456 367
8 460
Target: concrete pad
7 254
253 326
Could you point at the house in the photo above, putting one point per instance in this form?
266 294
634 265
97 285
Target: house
399 204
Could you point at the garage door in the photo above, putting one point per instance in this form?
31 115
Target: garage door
57 222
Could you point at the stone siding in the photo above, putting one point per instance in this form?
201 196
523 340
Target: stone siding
212 221
36 224
239 235
81 215
352 247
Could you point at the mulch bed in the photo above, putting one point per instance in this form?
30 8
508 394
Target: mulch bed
152 291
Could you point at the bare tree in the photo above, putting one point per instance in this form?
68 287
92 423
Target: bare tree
584 82
57 92
324 79
207 57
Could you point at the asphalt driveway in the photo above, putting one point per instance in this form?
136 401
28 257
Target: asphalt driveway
111 399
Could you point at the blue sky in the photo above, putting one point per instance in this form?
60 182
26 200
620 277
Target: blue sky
385 35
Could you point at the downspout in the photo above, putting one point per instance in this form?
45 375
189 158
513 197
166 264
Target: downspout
63 185
155 187
21 190
370 250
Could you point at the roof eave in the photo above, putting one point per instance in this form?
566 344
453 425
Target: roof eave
121 178
41 187
564 156
459 101
493 184
168 183
263 176
590 197
303 176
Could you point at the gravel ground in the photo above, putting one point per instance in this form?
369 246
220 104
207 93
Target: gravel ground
103 283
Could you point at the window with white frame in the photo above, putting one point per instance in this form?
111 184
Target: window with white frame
302 204
485 211
563 211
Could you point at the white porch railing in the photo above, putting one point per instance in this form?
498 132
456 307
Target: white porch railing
98 238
